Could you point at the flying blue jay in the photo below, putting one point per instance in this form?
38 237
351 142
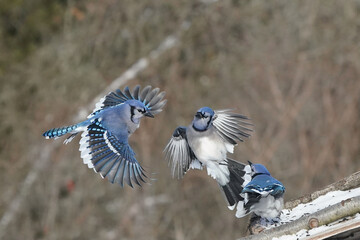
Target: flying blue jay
104 142
205 143
263 195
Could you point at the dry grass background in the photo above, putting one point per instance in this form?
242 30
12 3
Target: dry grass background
293 67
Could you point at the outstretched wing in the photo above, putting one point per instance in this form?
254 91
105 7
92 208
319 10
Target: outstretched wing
114 159
232 127
179 154
151 98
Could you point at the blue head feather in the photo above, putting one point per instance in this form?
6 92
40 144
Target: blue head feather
259 169
206 110
141 108
203 118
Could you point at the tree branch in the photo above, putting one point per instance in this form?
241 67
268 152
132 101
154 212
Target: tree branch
350 182
325 216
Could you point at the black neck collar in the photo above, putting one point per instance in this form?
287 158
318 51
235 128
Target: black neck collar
198 130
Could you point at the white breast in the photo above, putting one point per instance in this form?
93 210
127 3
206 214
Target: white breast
211 152
268 207
210 149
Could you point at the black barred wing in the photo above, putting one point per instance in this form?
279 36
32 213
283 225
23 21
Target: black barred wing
152 99
239 177
179 154
102 151
232 127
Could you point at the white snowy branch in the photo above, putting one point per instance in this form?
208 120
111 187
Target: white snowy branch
331 204
325 216
350 182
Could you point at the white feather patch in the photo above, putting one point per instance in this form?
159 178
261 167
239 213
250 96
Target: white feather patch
240 210
247 176
229 147
109 144
195 164
219 172
210 149
261 192
69 139
232 207
85 150
98 106
268 207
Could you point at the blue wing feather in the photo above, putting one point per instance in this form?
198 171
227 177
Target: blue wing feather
109 156
264 183
152 99
261 186
120 173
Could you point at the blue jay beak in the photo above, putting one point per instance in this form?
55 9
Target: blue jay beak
148 114
199 115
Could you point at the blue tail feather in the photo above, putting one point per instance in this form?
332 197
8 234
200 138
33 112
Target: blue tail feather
57 132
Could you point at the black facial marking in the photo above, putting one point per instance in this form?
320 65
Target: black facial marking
198 130
257 174
208 123
199 115
141 110
132 109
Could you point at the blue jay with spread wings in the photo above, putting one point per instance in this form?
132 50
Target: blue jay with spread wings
205 143
104 142
263 195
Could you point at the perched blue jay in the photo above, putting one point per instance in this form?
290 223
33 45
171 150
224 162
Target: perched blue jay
263 195
104 142
206 142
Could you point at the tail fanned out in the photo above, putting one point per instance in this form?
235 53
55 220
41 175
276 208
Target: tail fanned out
238 178
58 132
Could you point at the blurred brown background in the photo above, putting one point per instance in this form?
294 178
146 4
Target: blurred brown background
293 67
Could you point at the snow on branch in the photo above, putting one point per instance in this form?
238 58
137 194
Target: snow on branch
350 182
326 212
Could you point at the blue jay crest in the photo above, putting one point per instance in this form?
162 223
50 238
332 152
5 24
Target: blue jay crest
104 143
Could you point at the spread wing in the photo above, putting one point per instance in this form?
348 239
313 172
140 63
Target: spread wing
232 127
179 154
151 98
107 155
